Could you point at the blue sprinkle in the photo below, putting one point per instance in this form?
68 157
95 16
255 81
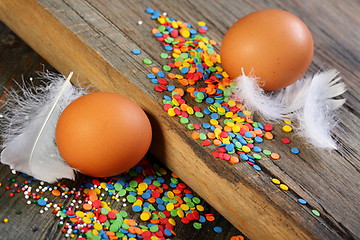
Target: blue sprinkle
257 149
167 232
161 74
184 70
150 75
136 208
41 202
256 167
171 88
168 47
146 195
149 10
210 100
244 157
295 150
202 219
302 201
218 229
258 139
136 51
161 207
248 134
158 34
206 125
215 116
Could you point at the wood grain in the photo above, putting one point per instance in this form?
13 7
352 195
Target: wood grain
94 39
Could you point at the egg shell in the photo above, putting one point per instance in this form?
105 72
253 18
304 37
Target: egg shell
103 134
271 44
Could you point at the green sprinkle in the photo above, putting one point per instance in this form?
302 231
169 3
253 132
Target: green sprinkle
197 225
199 114
166 68
131 198
190 126
164 55
147 61
267 152
184 120
154 228
315 212
257 156
202 136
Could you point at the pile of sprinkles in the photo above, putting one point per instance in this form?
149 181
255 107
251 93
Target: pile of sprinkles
99 208
196 89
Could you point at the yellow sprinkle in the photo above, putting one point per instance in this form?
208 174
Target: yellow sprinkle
86 220
236 128
80 214
230 124
287 128
161 20
246 149
214 122
283 187
170 194
231 103
171 112
172 221
247 113
184 207
226 140
95 232
180 213
229 114
103 185
97 226
174 24
200 208
144 216
190 110
6 220
185 33
201 23
169 206
175 102
287 121
276 181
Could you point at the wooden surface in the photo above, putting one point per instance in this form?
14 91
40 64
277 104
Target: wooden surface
94 39
19 62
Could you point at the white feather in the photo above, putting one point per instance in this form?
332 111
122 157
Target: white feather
309 100
254 98
317 117
28 125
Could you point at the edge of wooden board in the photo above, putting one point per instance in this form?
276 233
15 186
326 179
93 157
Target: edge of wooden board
254 214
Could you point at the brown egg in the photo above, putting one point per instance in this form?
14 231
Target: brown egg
272 44
103 134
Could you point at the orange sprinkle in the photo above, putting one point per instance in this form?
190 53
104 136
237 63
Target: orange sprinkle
110 233
227 129
217 142
155 70
234 159
178 63
93 197
155 221
154 30
138 231
151 200
237 238
210 218
274 156
131 222
87 207
171 75
258 132
184 81
74 220
174 175
175 191
190 89
56 193
184 107
195 135
210 135
212 42
269 135
180 91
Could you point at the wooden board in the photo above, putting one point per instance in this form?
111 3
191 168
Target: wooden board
95 38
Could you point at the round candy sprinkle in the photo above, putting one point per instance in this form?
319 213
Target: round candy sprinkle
283 187
316 212
136 51
147 61
295 150
287 128
301 201
218 229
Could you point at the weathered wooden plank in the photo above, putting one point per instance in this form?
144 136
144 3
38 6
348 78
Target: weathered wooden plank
94 38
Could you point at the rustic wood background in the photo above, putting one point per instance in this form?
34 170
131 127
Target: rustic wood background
18 61
94 39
